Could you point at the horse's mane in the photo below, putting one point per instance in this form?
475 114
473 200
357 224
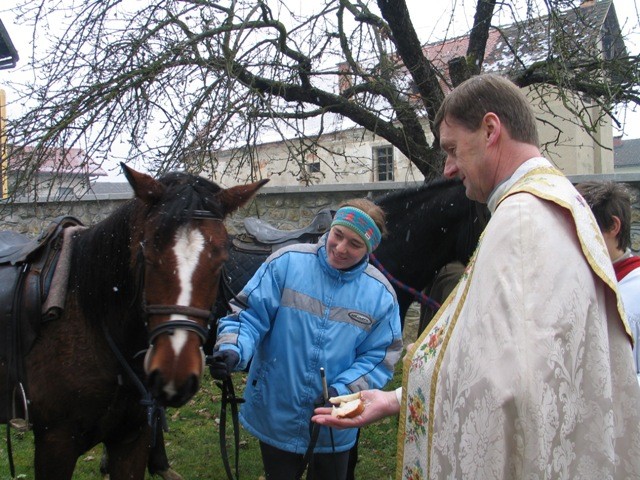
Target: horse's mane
429 220
417 204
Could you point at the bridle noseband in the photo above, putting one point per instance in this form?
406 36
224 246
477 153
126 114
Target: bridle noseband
184 324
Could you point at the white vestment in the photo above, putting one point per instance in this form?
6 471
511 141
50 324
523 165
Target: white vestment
526 372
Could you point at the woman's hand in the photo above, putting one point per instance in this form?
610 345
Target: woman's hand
378 404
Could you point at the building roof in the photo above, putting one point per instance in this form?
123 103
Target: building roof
575 34
8 53
572 36
626 153
72 161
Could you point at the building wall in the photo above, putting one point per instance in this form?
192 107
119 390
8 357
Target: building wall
52 186
566 143
286 208
345 157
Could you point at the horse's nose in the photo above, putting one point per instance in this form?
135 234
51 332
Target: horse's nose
168 393
185 393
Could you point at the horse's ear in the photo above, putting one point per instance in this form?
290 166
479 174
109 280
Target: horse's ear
235 197
145 186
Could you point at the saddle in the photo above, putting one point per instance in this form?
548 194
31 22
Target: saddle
27 267
263 238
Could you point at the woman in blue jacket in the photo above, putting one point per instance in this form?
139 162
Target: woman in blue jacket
311 307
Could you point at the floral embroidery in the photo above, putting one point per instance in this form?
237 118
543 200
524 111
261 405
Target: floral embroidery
413 472
533 383
433 341
417 418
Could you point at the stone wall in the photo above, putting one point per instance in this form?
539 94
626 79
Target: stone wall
32 217
286 208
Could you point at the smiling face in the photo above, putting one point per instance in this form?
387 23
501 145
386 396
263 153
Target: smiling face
345 248
467 158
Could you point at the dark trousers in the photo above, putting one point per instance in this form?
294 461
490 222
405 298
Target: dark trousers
281 465
353 459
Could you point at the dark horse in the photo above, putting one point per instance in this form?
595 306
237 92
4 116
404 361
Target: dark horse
141 281
429 227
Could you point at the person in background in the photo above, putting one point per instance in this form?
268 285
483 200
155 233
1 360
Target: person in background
312 306
527 368
610 203
441 287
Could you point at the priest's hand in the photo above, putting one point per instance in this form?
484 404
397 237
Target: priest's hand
377 405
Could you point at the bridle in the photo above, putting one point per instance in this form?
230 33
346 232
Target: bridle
184 324
159 309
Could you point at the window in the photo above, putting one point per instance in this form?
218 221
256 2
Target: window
313 167
383 163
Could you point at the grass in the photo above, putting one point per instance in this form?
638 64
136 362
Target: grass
193 447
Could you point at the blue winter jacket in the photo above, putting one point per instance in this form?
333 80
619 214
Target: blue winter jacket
303 315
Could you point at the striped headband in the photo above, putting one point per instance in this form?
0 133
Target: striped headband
361 223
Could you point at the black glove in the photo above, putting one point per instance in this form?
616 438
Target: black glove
222 363
319 401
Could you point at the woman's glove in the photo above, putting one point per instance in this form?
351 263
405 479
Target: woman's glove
320 400
222 363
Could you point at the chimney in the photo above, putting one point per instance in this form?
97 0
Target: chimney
617 141
345 79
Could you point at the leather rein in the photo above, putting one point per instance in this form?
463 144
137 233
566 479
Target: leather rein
228 397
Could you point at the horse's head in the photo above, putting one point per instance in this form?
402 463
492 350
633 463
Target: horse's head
178 252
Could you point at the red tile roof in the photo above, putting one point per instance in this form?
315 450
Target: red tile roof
74 162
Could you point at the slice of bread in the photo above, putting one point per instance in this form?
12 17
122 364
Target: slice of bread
347 406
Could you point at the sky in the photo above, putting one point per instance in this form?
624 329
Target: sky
432 20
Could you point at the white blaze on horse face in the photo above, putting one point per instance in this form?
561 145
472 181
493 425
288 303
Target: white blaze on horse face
188 247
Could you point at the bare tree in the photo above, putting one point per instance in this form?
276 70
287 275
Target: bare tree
179 80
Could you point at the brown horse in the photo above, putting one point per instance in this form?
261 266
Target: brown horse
140 288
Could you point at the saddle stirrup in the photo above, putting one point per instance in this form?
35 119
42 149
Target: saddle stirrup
16 422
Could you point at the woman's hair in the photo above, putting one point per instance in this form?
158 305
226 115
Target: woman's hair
470 101
374 211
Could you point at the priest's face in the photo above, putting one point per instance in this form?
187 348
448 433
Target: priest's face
467 158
